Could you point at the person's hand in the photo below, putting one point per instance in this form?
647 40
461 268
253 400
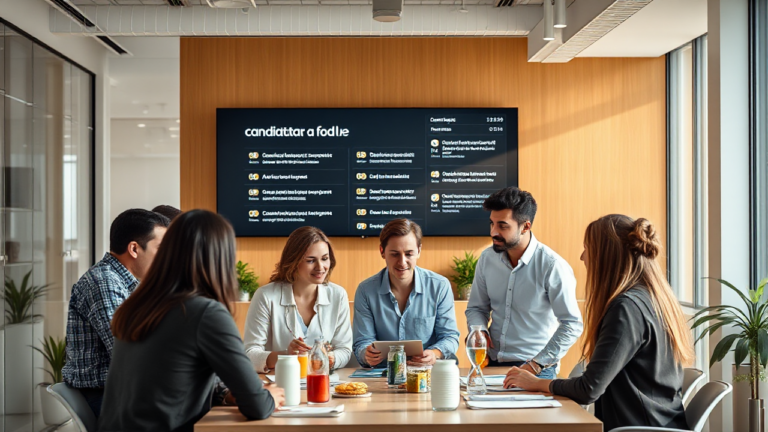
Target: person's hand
487 336
278 394
428 357
372 356
517 377
527 367
298 345
331 359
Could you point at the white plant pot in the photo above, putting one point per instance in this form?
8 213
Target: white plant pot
54 412
244 296
24 366
741 395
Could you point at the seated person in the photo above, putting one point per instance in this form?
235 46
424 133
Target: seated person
176 331
299 304
134 237
404 302
636 338
168 211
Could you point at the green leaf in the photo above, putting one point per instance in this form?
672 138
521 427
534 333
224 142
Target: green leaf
761 286
762 346
722 348
742 349
711 329
736 290
702 320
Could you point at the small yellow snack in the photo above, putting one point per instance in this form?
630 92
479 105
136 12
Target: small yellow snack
352 388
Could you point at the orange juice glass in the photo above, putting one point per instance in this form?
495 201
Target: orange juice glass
480 356
303 361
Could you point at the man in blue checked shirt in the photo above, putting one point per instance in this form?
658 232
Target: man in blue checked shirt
134 238
525 290
404 302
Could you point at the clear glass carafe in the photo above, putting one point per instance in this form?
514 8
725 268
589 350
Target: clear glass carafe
477 347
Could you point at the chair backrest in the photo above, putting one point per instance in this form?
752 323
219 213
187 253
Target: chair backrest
691 378
704 402
76 405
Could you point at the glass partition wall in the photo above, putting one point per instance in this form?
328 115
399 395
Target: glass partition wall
46 221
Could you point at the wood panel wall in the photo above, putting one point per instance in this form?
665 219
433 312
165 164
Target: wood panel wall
591 132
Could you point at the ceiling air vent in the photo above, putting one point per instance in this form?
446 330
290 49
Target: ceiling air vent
178 2
231 4
67 8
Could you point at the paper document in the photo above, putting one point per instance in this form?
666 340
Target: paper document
513 404
368 373
304 411
501 389
490 380
505 398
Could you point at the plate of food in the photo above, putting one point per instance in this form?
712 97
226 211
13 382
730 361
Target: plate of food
351 390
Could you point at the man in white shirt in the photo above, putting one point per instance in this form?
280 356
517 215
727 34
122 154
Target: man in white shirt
525 290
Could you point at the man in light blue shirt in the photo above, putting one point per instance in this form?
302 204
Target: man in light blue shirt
525 289
404 302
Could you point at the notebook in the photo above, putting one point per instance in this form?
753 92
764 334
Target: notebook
305 411
513 404
490 380
505 398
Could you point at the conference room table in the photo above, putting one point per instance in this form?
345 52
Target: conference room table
395 410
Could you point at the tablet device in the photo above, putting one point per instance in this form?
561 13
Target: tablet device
412 347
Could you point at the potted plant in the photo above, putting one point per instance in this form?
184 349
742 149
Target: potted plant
465 274
55 353
247 281
21 326
751 340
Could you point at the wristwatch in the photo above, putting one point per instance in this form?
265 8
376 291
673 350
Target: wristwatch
535 366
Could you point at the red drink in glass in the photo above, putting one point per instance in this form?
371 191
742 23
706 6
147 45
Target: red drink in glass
318 389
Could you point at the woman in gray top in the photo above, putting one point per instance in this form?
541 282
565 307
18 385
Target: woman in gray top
636 338
176 330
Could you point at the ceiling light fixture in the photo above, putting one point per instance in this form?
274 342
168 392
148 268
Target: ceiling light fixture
174 136
173 129
231 4
463 9
178 120
141 125
560 14
549 20
387 10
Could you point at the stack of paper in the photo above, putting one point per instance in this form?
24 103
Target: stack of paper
513 404
369 373
304 411
506 398
490 380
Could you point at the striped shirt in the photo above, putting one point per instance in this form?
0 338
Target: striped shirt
95 297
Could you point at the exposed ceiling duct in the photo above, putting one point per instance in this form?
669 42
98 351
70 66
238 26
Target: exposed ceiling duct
387 10
346 20
65 10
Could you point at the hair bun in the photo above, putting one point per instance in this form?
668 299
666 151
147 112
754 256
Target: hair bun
642 240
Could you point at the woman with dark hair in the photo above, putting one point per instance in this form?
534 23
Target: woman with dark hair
176 330
299 304
636 339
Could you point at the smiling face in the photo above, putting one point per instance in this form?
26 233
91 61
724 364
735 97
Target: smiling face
401 255
505 231
314 266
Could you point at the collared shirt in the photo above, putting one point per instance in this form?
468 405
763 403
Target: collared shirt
532 306
95 297
428 316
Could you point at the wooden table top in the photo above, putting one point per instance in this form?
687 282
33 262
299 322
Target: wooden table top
395 410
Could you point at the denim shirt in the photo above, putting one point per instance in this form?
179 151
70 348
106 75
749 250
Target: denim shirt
428 316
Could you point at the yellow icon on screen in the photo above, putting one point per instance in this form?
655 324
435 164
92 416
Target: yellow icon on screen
435 174
361 176
435 197
253 192
362 226
361 191
253 155
253 213
253 176
435 143
361 212
362 155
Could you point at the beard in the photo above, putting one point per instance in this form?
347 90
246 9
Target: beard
507 244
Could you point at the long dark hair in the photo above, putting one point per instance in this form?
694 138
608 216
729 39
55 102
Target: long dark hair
298 242
621 254
195 258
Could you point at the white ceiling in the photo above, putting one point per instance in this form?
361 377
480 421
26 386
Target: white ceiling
159 138
655 30
145 85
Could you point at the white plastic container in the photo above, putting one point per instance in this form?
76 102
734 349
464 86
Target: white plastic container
287 377
445 386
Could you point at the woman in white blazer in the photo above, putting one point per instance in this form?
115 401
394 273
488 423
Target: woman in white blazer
299 304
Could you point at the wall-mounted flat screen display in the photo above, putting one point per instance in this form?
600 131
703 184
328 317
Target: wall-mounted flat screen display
350 171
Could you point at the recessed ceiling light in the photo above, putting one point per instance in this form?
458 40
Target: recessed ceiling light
178 120
174 136
141 125
173 129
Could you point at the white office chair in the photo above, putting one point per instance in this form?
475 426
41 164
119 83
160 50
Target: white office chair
74 402
691 378
697 411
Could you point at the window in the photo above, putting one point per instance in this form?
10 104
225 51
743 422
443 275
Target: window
686 171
